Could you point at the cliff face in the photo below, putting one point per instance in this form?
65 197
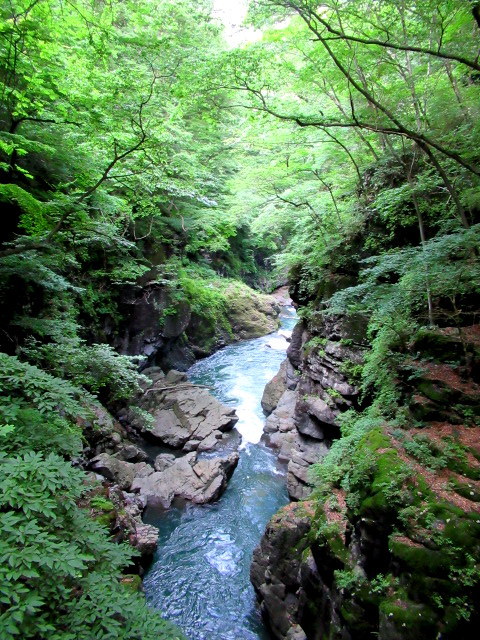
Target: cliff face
388 541
171 332
316 383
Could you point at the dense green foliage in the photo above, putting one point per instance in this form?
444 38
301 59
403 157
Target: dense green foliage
110 166
59 575
339 149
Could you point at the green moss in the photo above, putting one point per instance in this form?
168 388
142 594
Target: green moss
353 616
463 532
328 535
99 502
386 489
105 519
406 616
464 489
419 558
434 392
313 344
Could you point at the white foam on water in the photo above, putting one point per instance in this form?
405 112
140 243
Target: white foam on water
279 344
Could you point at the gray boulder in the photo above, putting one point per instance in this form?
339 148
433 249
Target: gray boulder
163 461
187 477
185 416
119 471
130 453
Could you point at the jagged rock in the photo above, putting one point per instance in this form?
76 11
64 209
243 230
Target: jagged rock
296 633
275 569
294 351
274 389
128 525
119 471
198 480
210 442
130 453
188 477
150 331
101 431
339 327
163 461
154 374
304 452
322 411
146 539
168 429
185 416
175 377
280 428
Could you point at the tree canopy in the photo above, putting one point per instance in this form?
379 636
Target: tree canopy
136 146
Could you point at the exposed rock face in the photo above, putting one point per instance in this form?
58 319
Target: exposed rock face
284 380
119 471
187 477
164 330
122 513
313 386
185 416
275 569
253 315
382 555
151 332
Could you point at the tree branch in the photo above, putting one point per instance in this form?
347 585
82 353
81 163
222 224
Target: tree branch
391 45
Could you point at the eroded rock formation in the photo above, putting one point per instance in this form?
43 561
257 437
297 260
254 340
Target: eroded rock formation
304 399
388 552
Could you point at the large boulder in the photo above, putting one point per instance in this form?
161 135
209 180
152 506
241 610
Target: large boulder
187 477
251 314
185 416
119 471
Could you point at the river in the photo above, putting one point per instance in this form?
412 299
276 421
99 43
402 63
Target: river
199 578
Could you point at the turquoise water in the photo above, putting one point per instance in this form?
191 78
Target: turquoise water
200 575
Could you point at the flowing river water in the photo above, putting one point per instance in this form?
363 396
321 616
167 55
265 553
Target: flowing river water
200 575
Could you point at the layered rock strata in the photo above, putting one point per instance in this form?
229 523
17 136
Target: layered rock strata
390 552
181 415
167 332
304 399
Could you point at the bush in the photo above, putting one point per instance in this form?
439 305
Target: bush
59 575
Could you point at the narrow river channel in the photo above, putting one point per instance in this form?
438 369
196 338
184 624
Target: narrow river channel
200 575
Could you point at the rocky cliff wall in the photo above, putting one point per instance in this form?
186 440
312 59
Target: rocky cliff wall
167 329
388 545
316 383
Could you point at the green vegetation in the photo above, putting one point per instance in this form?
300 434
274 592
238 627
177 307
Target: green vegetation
56 559
142 157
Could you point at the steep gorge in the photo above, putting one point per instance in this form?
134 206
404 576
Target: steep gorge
383 540
158 175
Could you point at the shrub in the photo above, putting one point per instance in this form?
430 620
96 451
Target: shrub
59 570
